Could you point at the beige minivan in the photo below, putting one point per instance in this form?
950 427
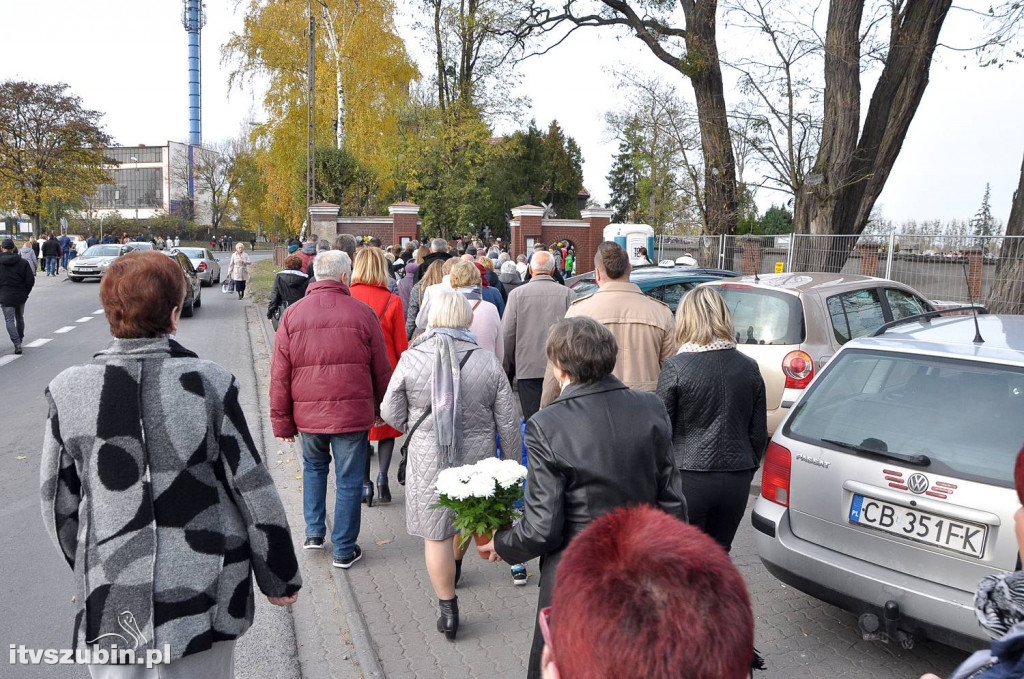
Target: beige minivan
793 323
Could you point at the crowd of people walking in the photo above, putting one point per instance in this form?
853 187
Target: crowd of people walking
623 404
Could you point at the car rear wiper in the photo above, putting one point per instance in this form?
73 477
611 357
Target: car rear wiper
916 460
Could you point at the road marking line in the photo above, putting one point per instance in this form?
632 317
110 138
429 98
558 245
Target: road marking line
35 344
9 358
97 312
83 319
66 328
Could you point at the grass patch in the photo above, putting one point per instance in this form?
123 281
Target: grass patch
261 278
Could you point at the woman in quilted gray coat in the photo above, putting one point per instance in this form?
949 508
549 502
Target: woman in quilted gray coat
459 396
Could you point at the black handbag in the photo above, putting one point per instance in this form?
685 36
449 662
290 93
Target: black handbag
405 446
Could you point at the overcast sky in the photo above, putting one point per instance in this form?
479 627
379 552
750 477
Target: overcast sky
128 58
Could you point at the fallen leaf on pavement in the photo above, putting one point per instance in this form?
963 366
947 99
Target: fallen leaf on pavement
299 477
21 457
384 542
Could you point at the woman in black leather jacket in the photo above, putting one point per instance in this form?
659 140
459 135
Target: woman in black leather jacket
598 446
715 398
289 287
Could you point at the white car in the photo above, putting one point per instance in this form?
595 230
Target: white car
204 262
95 261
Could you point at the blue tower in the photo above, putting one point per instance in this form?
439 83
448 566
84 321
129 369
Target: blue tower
193 18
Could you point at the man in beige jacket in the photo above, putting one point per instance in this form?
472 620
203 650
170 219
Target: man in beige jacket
643 327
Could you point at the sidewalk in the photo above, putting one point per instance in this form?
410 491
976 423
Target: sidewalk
395 599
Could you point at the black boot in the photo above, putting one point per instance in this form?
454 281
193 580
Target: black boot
382 489
368 494
458 571
448 623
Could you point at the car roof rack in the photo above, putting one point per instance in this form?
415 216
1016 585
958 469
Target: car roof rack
926 316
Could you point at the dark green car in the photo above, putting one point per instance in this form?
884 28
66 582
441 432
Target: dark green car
664 283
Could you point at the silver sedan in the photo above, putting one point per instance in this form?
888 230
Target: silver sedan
204 262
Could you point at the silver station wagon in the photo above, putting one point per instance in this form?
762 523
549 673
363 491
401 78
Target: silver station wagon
888 490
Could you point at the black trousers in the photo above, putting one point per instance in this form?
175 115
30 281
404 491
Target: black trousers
529 395
717 501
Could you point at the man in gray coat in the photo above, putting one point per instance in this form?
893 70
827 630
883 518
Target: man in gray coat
532 310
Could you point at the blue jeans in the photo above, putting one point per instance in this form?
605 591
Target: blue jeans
64 259
349 459
51 265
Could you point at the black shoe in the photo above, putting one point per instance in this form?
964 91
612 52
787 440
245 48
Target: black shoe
383 490
240 295
458 571
313 543
448 623
367 493
347 561
17 350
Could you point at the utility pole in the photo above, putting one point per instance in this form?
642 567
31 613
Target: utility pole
311 115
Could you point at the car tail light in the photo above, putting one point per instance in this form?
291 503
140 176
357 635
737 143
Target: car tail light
775 478
798 368
201 267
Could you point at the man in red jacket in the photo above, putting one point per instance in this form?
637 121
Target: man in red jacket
328 376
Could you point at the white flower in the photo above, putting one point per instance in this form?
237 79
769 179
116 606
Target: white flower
481 485
510 473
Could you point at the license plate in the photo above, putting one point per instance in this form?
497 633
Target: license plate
932 529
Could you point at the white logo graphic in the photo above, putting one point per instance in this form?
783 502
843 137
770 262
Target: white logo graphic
918 483
127 622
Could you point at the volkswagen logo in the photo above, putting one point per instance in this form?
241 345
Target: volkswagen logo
918 483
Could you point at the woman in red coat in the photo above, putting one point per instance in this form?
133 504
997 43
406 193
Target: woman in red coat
370 286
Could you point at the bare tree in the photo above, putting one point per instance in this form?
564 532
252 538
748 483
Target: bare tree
216 177
854 160
691 50
1007 295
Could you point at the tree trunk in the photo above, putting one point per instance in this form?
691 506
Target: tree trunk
716 142
1007 295
340 127
439 47
850 173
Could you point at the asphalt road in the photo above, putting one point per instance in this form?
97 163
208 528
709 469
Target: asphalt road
65 327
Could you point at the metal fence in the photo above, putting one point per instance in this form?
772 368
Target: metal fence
947 269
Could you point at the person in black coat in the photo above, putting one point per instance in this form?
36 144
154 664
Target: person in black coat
16 280
597 447
715 397
289 287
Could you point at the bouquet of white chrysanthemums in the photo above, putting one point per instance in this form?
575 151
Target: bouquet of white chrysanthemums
483 496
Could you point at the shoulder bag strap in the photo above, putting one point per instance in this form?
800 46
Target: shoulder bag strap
426 413
380 316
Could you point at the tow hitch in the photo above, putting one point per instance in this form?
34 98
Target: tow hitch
871 627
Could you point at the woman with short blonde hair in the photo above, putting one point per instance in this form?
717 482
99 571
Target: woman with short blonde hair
370 268
715 399
465 279
703 317
451 310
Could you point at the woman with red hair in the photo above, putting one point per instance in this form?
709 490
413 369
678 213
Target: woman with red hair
631 601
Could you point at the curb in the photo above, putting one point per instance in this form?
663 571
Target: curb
366 656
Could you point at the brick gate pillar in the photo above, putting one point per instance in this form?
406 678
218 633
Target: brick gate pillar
526 223
323 220
599 217
406 221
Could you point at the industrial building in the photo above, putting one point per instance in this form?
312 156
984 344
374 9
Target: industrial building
149 181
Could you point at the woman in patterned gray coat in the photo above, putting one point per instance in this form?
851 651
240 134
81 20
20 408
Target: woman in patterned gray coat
469 398
154 492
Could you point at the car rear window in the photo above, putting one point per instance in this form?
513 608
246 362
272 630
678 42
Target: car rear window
964 415
763 316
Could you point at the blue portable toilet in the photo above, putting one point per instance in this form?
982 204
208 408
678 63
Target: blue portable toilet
632 237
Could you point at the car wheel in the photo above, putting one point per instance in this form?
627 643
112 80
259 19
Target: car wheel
199 297
217 282
187 310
